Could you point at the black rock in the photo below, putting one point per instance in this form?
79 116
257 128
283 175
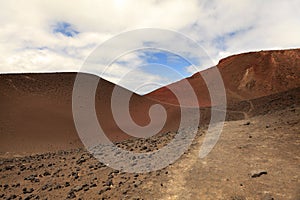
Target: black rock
45 187
75 174
144 148
267 197
22 167
109 182
101 191
71 195
80 160
32 178
51 164
77 188
46 173
110 176
9 167
31 197
67 184
57 187
257 173
25 190
93 185
247 123
13 196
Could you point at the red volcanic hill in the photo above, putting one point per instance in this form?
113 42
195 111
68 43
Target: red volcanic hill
36 109
36 112
245 76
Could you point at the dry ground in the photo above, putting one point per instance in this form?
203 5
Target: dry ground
256 158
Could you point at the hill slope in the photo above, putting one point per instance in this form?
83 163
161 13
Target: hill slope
246 76
36 112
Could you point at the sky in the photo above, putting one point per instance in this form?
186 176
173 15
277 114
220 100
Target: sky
60 36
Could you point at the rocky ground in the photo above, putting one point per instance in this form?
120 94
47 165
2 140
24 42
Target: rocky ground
256 158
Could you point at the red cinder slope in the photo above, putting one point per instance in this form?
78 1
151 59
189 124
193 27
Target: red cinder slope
36 112
246 76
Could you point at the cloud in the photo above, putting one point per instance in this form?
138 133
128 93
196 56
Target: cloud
38 36
191 69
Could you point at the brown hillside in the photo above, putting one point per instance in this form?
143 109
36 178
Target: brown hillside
36 112
245 76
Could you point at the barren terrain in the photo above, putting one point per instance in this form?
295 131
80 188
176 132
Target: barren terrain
256 156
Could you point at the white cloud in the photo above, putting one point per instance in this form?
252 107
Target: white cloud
191 69
223 27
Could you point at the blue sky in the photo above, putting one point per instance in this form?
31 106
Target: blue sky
58 36
65 28
169 59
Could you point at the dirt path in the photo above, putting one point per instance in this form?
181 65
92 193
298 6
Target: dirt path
268 145
176 187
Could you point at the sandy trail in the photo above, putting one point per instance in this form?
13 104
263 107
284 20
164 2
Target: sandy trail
269 143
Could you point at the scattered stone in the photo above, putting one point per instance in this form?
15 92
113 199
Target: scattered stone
268 197
77 188
9 167
109 182
93 185
58 186
80 160
247 123
45 187
71 195
86 187
26 191
36 180
46 173
75 174
144 148
257 173
22 167
110 176
101 191
51 164
31 178
31 197
13 196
